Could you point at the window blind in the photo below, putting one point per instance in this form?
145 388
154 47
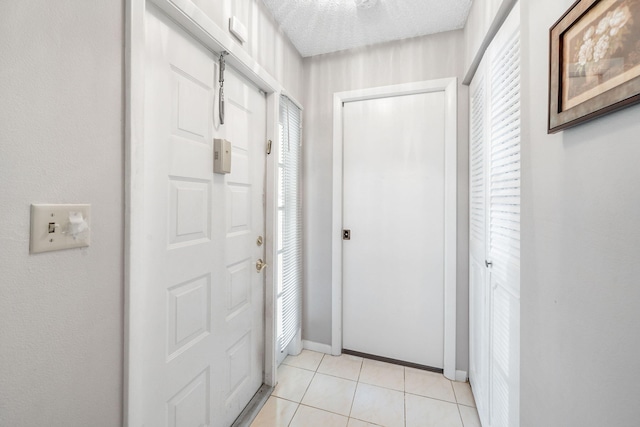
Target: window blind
289 223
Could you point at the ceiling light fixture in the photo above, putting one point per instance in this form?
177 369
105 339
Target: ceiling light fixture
365 4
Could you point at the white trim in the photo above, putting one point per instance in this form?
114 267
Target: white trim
461 376
498 20
316 346
207 32
292 99
450 88
270 249
203 29
134 199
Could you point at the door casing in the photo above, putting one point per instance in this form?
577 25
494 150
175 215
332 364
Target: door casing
210 35
450 89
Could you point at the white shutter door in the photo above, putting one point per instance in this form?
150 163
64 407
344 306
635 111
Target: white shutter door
478 285
504 224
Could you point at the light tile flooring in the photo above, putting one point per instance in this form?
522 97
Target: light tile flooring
315 389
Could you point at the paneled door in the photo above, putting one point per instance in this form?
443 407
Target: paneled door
393 264
203 342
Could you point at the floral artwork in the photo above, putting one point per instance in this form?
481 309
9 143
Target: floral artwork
600 51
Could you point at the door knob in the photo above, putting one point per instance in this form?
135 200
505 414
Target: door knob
260 265
488 263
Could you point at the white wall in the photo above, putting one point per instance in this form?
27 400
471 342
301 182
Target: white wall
266 43
580 330
481 16
61 141
61 313
423 58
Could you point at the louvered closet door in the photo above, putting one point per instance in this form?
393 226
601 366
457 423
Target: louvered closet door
478 283
494 243
503 196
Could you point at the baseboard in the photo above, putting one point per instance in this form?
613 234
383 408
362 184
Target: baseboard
316 346
461 376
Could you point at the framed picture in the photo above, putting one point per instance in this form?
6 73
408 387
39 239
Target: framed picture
595 61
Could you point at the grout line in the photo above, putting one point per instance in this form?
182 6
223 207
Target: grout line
324 410
336 376
455 396
353 401
297 367
432 398
307 389
460 415
404 396
282 398
381 386
364 421
294 415
454 393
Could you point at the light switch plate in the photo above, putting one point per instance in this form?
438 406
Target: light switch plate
56 227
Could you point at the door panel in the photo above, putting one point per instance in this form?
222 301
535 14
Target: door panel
478 277
393 275
495 230
203 343
503 224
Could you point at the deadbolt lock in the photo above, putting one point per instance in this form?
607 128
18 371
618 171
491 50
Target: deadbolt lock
346 234
259 241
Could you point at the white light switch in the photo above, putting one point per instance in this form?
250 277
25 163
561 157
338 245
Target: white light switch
56 227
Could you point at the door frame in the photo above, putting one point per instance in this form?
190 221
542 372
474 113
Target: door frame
450 88
190 18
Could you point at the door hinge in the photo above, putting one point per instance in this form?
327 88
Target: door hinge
269 147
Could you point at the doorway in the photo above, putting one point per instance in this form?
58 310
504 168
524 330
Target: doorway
357 273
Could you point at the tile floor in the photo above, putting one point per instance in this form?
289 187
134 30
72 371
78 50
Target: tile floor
316 389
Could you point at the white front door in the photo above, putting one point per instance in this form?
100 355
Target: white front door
203 336
393 264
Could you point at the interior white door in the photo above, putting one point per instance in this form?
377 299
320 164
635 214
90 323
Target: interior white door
203 345
393 274
478 283
495 230
503 226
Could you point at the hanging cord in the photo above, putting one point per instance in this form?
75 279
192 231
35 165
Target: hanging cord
221 81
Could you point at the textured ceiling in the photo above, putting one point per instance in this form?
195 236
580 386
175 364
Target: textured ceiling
323 26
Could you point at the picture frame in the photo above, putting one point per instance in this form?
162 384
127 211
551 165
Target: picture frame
594 64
